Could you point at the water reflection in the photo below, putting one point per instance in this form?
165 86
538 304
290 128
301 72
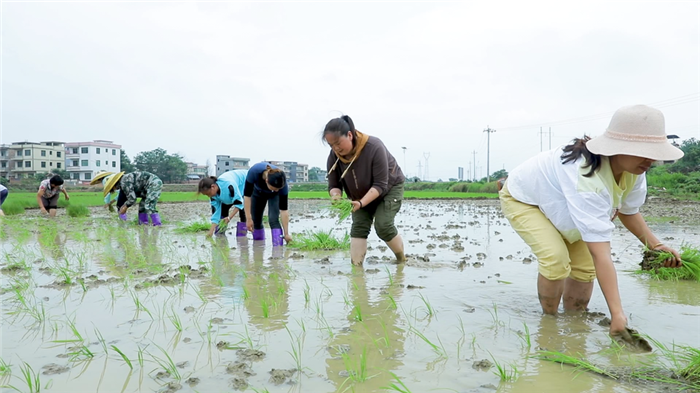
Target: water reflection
267 288
373 336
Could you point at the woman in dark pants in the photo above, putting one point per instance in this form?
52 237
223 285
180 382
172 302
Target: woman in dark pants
362 166
266 185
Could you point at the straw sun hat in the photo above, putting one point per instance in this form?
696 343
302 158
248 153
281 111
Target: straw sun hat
99 177
110 181
636 130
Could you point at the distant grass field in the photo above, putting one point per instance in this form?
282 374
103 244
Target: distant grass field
27 200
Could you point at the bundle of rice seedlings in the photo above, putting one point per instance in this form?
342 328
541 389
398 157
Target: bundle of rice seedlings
341 208
198 226
12 208
320 240
77 210
653 262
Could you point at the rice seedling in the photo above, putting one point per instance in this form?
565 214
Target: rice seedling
320 240
525 337
502 371
429 308
439 350
389 275
124 357
357 312
101 340
581 364
263 390
652 264
30 378
4 368
297 345
74 210
357 370
166 363
265 305
307 293
341 209
494 316
175 320
81 353
401 387
392 301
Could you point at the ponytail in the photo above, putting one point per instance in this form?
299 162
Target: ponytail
205 184
578 149
340 127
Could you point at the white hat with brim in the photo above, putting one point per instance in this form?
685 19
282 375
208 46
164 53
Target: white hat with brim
636 130
111 181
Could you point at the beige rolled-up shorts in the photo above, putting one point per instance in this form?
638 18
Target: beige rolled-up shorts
557 258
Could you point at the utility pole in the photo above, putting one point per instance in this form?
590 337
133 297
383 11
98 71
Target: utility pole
420 170
488 132
427 168
470 171
404 158
474 153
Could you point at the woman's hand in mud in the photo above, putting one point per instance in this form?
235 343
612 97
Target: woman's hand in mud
249 225
618 325
288 238
43 211
123 210
670 262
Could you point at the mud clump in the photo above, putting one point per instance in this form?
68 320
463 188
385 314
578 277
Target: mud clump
172 387
240 369
216 321
323 261
239 384
629 338
482 365
192 381
250 355
53 369
279 377
296 256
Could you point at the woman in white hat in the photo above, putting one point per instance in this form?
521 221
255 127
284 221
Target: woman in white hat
562 203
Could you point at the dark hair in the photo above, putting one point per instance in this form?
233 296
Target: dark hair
205 184
576 150
276 177
340 127
56 180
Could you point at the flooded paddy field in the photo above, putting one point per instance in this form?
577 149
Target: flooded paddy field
96 305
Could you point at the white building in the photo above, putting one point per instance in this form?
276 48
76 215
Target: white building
228 163
85 159
24 159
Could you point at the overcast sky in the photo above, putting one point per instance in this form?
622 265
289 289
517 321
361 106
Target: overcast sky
260 80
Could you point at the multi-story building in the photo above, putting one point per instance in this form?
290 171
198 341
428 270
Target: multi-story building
85 159
227 163
24 159
195 171
295 172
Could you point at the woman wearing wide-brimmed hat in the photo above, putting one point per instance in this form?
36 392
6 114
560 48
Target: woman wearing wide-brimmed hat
110 198
225 192
562 203
131 186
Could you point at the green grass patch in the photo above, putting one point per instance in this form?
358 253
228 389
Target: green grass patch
320 240
653 261
12 208
427 194
76 210
342 209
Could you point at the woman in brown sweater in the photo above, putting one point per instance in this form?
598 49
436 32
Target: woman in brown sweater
361 166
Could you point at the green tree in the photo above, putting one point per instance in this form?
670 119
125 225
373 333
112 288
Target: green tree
691 160
126 164
61 172
314 174
171 168
499 174
4 181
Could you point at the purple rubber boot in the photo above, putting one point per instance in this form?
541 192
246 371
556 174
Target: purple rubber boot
277 239
155 218
143 218
259 234
122 217
241 230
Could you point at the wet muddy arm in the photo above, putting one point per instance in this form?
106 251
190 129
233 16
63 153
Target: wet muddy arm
607 278
38 199
635 223
284 219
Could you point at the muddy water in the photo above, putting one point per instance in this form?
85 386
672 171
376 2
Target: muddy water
243 315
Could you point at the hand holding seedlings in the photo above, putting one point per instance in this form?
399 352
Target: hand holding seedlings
675 261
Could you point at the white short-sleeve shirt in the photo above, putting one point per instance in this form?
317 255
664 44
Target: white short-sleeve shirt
581 208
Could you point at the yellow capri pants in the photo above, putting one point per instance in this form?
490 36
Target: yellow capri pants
557 258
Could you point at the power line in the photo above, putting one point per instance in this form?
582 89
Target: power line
659 104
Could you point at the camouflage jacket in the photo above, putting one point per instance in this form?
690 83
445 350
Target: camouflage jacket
135 185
